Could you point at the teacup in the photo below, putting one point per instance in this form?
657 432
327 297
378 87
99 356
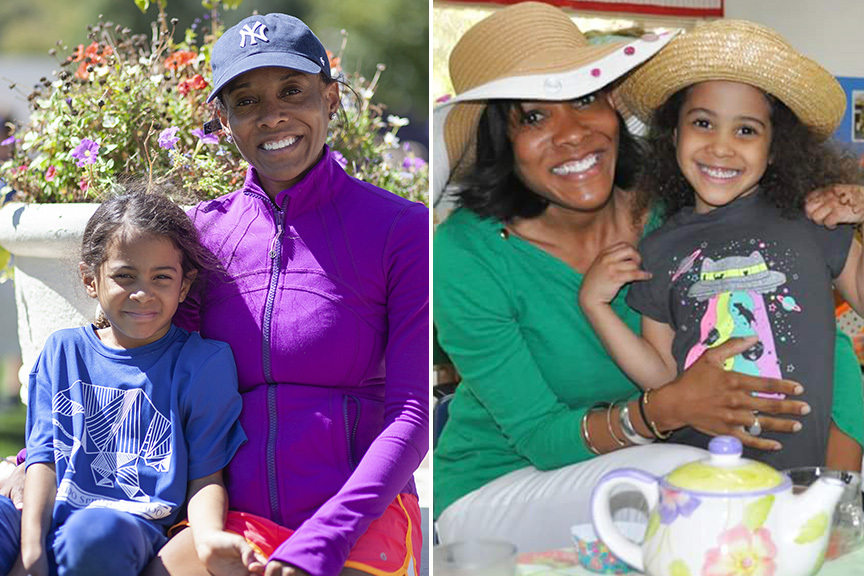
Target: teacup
475 558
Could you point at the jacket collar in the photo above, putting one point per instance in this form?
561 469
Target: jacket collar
315 187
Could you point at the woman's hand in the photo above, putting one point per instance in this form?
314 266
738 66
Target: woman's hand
719 402
13 486
838 204
614 266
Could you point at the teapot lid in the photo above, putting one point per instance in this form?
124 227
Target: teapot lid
725 471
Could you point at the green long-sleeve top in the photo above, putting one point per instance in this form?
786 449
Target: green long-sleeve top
507 315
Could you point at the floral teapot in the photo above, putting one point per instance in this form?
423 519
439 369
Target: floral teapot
724 515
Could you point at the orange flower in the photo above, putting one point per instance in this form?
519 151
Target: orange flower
93 55
334 62
180 59
197 82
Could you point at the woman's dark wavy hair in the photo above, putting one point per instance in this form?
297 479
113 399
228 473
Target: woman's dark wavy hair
800 162
491 188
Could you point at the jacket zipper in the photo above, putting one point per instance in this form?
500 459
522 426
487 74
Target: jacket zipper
275 254
351 431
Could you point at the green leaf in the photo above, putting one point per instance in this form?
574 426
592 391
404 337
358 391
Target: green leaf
678 568
232 4
653 525
756 512
813 529
143 5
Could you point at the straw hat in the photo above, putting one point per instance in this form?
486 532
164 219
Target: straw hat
526 51
739 51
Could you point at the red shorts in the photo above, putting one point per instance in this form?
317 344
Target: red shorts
391 545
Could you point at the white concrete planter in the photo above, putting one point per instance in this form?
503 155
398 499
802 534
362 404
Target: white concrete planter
46 242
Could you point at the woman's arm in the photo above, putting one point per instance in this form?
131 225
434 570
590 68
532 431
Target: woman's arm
642 358
847 408
40 490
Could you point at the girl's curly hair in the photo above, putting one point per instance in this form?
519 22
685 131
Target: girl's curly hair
800 162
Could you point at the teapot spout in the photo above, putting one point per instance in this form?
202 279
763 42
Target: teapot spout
814 509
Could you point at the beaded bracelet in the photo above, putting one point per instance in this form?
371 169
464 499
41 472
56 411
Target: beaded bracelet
643 402
629 430
584 425
618 441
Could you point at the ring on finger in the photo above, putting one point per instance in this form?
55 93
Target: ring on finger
754 429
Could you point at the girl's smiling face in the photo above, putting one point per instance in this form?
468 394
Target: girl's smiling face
723 141
566 151
139 287
278 119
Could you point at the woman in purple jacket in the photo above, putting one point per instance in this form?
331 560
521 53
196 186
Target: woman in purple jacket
325 305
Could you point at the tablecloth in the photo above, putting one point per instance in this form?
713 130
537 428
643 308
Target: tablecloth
564 562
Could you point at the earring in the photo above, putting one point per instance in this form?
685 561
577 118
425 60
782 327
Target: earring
332 115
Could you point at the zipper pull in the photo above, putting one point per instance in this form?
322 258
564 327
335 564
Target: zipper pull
274 243
280 229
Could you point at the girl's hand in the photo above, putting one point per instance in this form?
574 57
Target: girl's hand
227 554
838 204
719 402
614 266
277 568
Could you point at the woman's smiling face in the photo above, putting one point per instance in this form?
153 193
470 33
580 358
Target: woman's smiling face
566 151
278 119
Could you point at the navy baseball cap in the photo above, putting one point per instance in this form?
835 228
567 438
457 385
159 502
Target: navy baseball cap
262 41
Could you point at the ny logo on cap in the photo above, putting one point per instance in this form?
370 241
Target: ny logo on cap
254 33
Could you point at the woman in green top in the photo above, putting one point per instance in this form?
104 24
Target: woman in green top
542 164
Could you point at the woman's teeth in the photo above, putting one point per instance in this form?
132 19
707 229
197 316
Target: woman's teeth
576 167
719 172
279 144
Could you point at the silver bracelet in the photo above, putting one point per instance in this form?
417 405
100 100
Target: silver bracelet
628 429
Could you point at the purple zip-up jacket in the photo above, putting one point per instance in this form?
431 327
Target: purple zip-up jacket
325 306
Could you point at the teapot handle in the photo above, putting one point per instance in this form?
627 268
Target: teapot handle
627 550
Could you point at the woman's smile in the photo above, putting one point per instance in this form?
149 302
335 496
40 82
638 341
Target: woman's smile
280 144
580 167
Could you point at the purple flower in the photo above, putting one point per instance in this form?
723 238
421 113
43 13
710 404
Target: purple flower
168 137
8 141
674 503
205 138
413 163
340 159
86 152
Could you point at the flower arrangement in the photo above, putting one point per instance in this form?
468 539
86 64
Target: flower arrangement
134 105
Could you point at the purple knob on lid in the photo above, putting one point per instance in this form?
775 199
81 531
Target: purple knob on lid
725 445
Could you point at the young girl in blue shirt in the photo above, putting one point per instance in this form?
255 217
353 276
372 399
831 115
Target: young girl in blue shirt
128 415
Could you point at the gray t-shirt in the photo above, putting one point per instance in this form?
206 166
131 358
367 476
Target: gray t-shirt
743 269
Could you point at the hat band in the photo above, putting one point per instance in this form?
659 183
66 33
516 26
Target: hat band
571 83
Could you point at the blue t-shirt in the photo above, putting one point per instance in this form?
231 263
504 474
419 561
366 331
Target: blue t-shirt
128 429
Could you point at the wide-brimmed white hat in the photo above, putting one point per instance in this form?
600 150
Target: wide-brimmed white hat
527 51
739 51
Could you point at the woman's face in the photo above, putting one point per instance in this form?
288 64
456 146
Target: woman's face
566 151
278 118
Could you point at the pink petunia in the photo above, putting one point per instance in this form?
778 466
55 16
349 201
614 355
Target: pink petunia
205 138
86 152
168 137
51 173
